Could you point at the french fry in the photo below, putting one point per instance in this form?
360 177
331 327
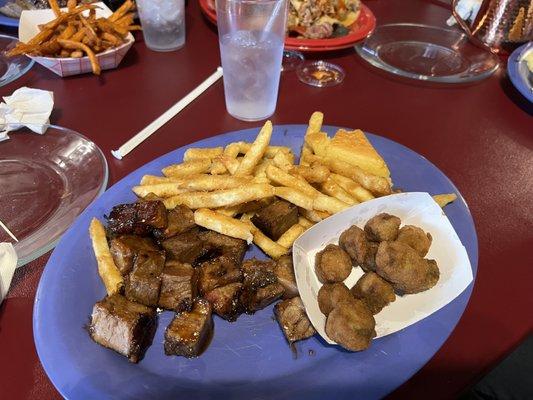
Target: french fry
113 39
78 36
126 20
55 7
199 166
444 199
256 152
71 45
352 187
223 224
220 198
316 173
295 196
229 211
315 123
329 204
195 154
91 34
305 222
231 151
376 184
287 239
260 169
283 178
121 11
194 183
270 151
283 160
71 5
107 269
76 54
231 164
305 154
314 215
68 32
161 190
332 188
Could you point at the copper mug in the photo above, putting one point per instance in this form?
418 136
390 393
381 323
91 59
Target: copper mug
499 22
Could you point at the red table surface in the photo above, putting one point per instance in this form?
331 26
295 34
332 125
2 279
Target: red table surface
480 135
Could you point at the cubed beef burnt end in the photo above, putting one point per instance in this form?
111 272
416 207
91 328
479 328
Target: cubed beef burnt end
137 218
293 320
218 272
178 286
180 220
125 249
189 332
284 271
144 281
225 300
186 247
275 219
220 244
123 326
260 285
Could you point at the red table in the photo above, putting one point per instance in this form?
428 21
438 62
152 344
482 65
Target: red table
480 135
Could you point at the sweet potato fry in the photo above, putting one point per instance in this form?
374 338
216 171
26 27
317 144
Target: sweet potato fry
71 45
55 7
121 11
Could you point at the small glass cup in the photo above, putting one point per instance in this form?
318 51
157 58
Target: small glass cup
251 35
163 23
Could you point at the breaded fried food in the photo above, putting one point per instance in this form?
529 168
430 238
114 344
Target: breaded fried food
351 325
415 238
374 291
331 294
354 242
382 227
332 264
403 267
370 259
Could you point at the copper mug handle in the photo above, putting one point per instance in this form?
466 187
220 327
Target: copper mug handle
462 23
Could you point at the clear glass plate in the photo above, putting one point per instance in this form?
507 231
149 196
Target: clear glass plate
47 181
13 67
427 53
320 74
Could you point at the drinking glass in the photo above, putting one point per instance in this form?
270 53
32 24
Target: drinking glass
251 34
163 23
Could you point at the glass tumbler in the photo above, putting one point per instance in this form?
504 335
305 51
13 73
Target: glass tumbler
163 23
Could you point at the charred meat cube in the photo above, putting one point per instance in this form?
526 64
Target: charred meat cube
186 247
178 286
189 332
137 218
293 320
123 326
220 244
284 271
220 271
125 248
260 285
225 300
180 220
275 219
144 281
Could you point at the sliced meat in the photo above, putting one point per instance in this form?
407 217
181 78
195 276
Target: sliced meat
354 242
186 247
275 219
260 285
332 264
225 301
220 244
293 320
144 281
180 220
123 326
137 218
284 271
374 291
178 286
125 248
189 333
383 227
331 294
220 271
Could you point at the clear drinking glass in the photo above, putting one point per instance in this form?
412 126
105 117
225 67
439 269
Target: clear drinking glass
251 34
163 23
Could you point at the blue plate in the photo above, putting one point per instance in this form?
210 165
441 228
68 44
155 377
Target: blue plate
519 74
7 21
246 359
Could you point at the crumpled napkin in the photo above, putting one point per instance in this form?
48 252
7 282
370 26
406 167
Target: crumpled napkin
467 9
8 263
26 107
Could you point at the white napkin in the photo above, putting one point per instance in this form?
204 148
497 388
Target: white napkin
8 263
467 9
25 107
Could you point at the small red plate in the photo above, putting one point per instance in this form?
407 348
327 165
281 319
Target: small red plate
359 30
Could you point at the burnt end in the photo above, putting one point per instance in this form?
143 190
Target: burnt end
123 326
225 301
189 332
125 249
220 244
178 286
186 247
284 271
122 219
260 285
220 271
137 218
180 220
144 281
152 213
275 219
293 320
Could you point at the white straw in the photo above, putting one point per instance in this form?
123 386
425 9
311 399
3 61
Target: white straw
166 116
8 231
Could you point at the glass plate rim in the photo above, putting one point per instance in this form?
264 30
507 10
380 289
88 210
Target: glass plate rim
24 70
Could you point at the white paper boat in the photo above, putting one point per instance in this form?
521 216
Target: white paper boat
417 209
28 28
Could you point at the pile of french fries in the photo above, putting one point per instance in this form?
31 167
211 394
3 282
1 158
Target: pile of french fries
71 34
